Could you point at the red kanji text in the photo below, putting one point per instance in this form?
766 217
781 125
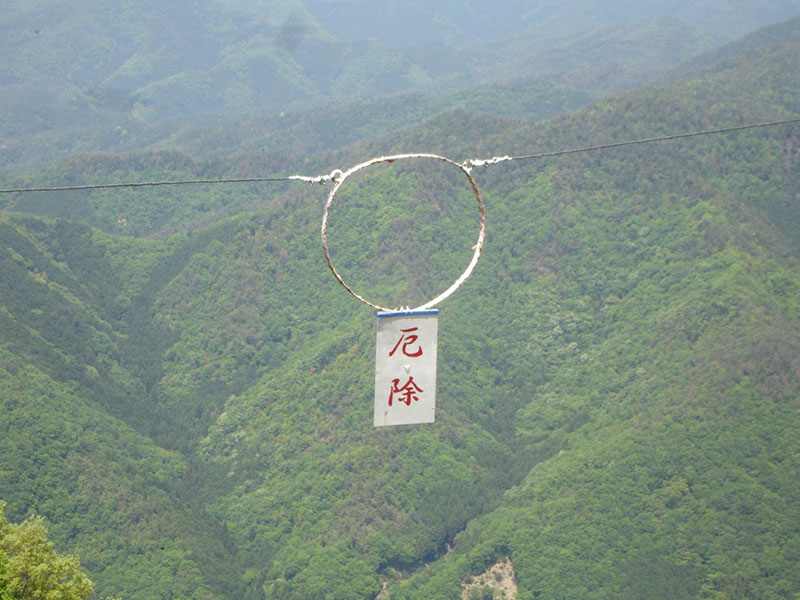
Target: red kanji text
405 394
407 339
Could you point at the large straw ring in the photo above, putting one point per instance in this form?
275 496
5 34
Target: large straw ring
389 159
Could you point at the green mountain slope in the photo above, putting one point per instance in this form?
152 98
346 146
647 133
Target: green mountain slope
618 381
676 404
77 420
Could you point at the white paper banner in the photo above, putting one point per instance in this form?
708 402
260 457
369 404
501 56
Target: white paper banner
405 367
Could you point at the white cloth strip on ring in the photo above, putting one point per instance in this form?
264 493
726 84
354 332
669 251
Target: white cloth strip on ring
338 181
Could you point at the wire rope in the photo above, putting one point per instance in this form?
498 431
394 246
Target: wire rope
336 173
338 177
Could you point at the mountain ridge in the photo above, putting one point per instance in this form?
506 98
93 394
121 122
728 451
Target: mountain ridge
116 84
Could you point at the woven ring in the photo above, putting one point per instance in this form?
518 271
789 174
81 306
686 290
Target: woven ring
390 159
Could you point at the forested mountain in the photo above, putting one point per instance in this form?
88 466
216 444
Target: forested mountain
185 391
77 78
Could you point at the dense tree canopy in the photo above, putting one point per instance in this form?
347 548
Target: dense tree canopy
31 570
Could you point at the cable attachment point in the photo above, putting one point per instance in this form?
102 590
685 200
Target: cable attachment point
484 162
333 176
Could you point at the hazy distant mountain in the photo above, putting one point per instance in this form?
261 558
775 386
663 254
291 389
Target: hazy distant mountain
461 22
89 77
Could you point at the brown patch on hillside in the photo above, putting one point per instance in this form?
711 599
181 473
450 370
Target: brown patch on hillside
499 578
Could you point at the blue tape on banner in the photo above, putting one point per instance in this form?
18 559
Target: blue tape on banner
408 313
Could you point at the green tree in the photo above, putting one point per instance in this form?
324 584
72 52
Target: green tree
4 594
31 570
